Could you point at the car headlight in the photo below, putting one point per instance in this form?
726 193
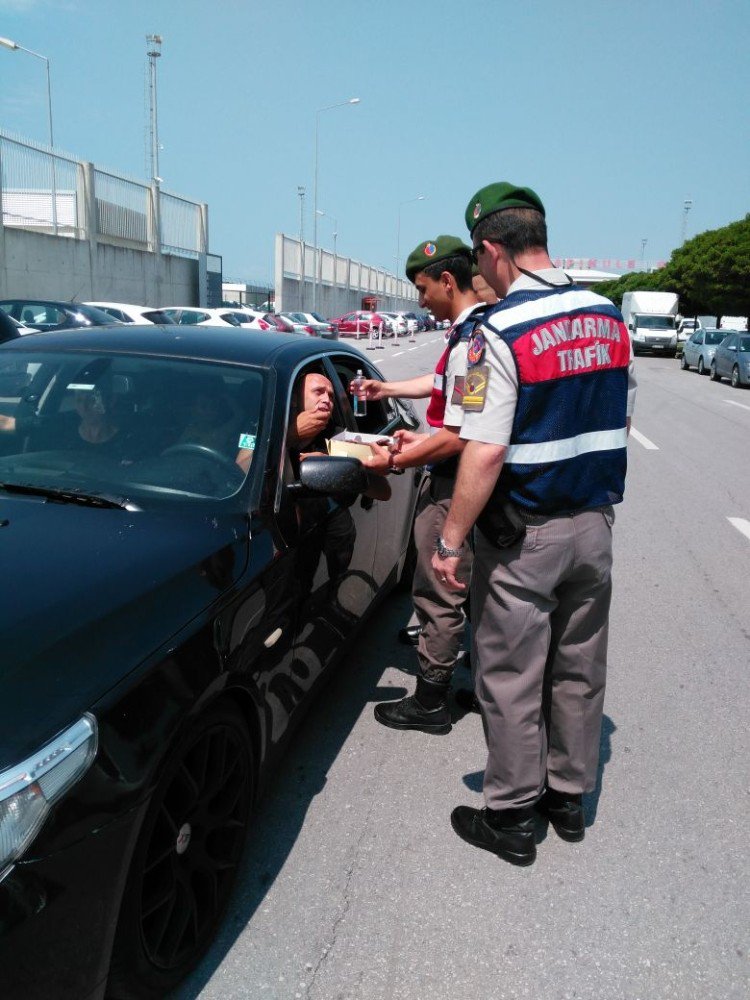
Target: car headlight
29 789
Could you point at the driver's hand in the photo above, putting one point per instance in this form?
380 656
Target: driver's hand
309 424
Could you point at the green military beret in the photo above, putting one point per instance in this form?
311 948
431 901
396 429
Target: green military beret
496 197
431 251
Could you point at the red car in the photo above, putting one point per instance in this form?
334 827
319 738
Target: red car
361 322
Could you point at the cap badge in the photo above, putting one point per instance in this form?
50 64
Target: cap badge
477 209
430 250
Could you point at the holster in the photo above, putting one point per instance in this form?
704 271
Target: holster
501 523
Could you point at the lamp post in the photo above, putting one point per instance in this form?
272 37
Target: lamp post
335 227
419 197
15 47
8 43
328 107
644 241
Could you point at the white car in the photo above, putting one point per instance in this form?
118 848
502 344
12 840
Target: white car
197 316
242 316
127 313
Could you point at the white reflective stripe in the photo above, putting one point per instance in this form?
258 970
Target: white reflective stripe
545 308
557 451
437 382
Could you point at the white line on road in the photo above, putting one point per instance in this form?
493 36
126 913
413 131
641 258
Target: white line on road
397 354
732 402
641 439
741 525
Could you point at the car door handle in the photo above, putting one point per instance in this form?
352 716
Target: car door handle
273 638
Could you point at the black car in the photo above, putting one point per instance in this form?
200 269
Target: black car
45 315
178 584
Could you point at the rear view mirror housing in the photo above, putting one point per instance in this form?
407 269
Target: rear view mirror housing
324 475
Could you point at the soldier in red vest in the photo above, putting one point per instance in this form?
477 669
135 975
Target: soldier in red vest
441 272
548 395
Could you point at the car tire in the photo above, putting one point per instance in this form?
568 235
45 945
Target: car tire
735 379
175 897
683 363
702 370
715 377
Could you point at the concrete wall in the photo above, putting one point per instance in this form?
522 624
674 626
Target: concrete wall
36 265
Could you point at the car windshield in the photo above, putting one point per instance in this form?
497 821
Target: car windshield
646 322
714 336
745 344
133 427
318 318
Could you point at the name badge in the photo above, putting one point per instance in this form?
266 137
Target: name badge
475 389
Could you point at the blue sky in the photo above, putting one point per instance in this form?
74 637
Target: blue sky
614 112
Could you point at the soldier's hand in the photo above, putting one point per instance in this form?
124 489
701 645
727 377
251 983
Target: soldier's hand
445 571
403 439
370 388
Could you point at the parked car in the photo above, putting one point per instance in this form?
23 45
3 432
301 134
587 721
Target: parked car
315 324
47 315
360 322
698 350
169 620
278 323
10 328
127 313
242 316
732 360
194 316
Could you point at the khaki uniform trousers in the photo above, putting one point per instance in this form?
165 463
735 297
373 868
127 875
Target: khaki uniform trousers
540 613
439 611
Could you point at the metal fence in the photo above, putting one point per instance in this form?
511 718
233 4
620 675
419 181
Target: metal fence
51 192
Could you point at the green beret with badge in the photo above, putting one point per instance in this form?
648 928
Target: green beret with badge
498 197
432 252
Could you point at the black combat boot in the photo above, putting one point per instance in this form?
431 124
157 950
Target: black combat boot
509 833
425 710
565 813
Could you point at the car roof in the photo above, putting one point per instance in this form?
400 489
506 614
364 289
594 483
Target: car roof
220 344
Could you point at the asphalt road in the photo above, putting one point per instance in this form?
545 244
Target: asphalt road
356 887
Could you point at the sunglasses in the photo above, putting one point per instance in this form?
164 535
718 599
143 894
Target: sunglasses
475 251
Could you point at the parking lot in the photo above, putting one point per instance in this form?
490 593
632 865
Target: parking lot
356 887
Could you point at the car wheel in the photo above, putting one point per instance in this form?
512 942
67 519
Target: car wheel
186 859
701 367
735 379
683 363
715 377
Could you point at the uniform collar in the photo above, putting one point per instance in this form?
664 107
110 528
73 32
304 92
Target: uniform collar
554 275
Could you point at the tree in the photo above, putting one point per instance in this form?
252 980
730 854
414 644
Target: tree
710 273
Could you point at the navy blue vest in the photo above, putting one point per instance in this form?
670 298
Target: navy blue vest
568 443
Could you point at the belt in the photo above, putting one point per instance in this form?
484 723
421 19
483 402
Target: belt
529 518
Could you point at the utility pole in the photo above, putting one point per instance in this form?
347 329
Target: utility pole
644 241
688 204
301 193
153 52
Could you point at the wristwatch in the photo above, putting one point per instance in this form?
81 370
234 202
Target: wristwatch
443 551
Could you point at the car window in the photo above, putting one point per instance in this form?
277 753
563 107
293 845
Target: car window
698 338
145 429
731 341
745 344
157 316
714 337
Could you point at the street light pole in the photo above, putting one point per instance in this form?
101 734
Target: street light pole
420 197
328 107
644 241
335 227
8 43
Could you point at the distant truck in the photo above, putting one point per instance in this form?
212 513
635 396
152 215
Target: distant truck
652 320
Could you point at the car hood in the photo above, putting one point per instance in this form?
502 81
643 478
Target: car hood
89 594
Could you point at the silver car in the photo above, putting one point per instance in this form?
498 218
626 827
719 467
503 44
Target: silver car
700 348
732 359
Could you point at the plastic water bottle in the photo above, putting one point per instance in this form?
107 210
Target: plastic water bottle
359 400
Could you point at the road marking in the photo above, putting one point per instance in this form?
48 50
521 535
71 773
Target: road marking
733 403
741 525
641 439
397 354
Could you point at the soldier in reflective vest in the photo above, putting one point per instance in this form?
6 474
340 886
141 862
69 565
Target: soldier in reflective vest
441 272
548 395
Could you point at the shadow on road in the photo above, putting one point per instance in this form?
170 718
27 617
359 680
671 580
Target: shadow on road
302 774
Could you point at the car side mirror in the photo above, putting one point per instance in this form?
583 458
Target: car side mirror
324 475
